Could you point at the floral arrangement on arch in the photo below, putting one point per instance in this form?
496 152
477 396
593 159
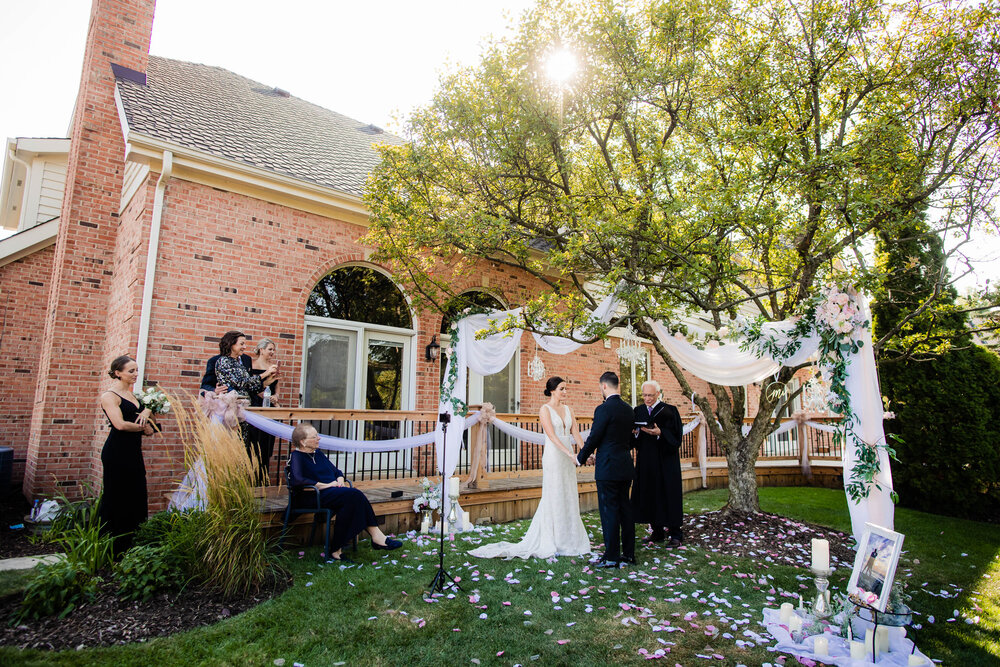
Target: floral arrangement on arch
429 498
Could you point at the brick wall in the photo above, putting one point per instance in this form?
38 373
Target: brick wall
24 291
73 350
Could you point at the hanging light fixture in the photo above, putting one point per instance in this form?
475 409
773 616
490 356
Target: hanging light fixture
630 350
536 368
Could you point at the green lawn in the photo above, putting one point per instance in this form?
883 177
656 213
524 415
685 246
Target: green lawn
376 614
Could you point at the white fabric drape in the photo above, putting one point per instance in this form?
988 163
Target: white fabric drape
331 443
728 365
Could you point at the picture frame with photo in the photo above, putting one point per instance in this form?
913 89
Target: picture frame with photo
875 566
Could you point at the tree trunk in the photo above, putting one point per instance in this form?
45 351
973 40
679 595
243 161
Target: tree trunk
741 461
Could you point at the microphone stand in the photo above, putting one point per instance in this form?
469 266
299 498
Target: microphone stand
443 580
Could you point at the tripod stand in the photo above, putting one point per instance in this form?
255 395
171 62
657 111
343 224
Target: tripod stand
442 579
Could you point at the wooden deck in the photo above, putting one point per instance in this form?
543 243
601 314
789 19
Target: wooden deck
514 495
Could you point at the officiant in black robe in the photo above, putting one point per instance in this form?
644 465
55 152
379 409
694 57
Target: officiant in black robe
657 496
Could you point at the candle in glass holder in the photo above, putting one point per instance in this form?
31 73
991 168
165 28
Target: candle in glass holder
786 612
857 651
820 554
425 525
795 623
453 484
821 646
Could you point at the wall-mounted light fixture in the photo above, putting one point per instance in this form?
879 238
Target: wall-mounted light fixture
433 350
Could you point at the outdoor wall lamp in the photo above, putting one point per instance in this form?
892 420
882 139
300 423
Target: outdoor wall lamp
433 350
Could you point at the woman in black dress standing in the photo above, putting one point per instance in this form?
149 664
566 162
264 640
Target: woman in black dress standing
124 502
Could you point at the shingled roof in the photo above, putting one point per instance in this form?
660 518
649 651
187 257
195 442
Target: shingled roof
213 110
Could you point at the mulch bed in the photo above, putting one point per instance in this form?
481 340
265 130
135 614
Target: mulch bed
766 538
109 620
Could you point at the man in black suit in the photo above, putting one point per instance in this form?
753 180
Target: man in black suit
611 436
657 495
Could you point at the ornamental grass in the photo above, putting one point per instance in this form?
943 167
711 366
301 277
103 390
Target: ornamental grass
235 556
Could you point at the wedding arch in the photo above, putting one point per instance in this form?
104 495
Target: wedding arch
834 329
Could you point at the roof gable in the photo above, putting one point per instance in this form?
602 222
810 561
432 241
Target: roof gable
213 110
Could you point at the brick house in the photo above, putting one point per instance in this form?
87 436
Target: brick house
198 201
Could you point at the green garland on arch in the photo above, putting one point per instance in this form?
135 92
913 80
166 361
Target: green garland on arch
835 315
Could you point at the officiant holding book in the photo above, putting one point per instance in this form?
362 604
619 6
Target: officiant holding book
657 496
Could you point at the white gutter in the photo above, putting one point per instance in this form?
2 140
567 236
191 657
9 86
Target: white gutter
151 255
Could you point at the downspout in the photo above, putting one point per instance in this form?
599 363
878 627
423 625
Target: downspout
151 255
12 154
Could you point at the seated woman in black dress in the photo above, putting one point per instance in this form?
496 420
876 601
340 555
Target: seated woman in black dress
353 511
124 501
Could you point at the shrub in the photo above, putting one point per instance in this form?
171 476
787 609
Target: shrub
76 530
147 569
948 415
180 533
235 557
56 588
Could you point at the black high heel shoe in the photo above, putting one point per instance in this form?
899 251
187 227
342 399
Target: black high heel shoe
389 545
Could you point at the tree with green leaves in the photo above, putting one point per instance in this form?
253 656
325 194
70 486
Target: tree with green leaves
709 157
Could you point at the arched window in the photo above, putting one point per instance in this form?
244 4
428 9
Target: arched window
359 342
359 294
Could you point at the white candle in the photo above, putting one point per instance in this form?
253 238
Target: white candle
466 521
916 660
454 482
794 623
857 651
786 612
821 554
882 640
425 525
870 646
821 646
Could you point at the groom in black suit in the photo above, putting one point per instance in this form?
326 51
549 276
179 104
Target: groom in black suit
611 436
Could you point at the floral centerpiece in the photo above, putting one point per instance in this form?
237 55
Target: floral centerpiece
429 498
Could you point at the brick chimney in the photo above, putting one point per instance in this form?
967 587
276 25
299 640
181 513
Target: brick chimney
65 441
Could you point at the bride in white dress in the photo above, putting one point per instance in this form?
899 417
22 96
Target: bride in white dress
556 529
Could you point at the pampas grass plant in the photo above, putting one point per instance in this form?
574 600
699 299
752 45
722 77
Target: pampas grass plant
235 558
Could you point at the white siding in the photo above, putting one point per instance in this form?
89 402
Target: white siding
50 196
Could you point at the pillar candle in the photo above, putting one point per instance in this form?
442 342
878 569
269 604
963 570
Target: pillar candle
820 554
425 525
916 660
821 646
858 651
882 640
786 612
870 645
453 482
794 623
466 521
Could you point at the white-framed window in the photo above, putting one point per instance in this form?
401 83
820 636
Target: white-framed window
359 348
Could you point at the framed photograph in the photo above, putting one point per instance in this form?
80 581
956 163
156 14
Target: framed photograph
875 565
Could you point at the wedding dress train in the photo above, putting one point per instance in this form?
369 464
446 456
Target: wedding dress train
556 529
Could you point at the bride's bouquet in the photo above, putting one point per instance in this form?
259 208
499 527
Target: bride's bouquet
429 498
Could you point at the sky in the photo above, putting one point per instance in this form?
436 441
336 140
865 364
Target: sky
373 61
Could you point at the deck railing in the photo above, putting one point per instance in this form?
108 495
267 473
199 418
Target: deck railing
505 453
